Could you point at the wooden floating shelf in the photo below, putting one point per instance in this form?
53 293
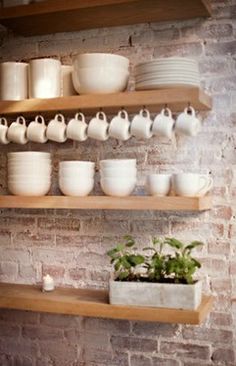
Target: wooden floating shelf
65 16
177 99
93 303
109 203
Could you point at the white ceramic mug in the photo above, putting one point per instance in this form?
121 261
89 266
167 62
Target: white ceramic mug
164 124
120 126
36 130
3 131
187 123
158 184
141 125
77 128
67 86
44 78
56 130
17 132
98 127
191 185
13 81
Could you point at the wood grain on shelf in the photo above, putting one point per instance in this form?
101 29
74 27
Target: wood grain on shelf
93 303
154 100
170 203
62 16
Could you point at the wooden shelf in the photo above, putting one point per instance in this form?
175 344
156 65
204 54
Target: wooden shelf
65 16
93 303
154 100
109 203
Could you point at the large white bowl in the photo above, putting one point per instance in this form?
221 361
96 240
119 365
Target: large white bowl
28 189
77 164
117 163
32 177
29 171
100 80
116 173
29 154
78 187
118 187
100 59
76 175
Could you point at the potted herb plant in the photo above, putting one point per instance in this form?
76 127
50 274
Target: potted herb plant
155 277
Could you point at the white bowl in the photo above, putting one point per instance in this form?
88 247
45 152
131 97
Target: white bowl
76 175
158 184
29 189
101 59
77 164
100 80
80 187
118 163
29 154
118 187
28 177
26 171
119 171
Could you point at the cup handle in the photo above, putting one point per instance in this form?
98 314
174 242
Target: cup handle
21 121
40 119
145 113
166 112
101 115
60 118
123 114
190 109
3 121
80 117
207 184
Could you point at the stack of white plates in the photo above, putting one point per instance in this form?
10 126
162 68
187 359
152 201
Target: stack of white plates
167 73
29 173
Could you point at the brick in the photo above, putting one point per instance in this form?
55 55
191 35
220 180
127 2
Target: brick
19 317
41 332
50 256
18 224
22 361
25 348
158 361
77 273
101 358
155 329
224 355
40 240
56 271
220 319
8 270
93 227
67 225
96 342
106 325
7 330
59 321
220 48
190 350
190 49
139 360
221 248
60 352
154 227
212 335
133 344
222 286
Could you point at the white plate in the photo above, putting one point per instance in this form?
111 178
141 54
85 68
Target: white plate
166 69
166 86
162 81
167 60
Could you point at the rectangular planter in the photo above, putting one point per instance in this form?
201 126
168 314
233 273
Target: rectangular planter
163 295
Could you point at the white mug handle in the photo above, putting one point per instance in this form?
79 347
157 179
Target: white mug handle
191 109
21 121
123 114
166 111
80 117
207 184
60 118
3 121
40 120
101 115
144 113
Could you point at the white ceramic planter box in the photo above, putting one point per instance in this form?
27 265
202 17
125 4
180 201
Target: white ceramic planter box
173 296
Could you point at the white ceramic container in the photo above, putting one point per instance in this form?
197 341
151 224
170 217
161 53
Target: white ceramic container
172 296
118 187
191 185
116 163
158 184
29 155
101 59
80 187
26 188
67 87
13 81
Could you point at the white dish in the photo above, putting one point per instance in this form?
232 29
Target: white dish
166 85
24 154
29 189
114 163
101 59
118 187
80 187
77 164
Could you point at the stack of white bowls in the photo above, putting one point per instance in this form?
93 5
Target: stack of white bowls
76 178
100 73
167 73
29 173
118 176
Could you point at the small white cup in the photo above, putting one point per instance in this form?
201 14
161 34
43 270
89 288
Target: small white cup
56 130
36 130
98 127
187 123
120 126
3 131
17 132
141 125
164 124
158 184
77 128
191 185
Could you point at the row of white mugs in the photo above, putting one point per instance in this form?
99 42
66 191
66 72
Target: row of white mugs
120 127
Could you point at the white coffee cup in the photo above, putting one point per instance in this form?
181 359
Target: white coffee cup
98 127
164 124
56 130
158 184
13 81
67 86
3 131
44 78
17 132
77 128
141 125
187 123
120 126
36 130
191 185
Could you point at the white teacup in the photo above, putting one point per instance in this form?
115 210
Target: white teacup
56 130
187 123
191 185
164 124
36 130
3 131
141 125
120 126
17 132
158 184
98 127
77 128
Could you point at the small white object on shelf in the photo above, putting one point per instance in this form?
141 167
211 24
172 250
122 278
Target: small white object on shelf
48 283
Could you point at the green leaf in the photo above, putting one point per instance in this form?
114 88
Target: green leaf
136 259
174 243
191 246
123 275
112 252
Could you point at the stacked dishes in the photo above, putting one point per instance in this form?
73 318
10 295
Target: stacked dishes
100 73
118 176
167 73
29 173
76 178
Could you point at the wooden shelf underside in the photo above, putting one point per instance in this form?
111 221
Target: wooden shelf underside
93 303
170 203
65 16
177 99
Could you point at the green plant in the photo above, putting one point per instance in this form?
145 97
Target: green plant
178 266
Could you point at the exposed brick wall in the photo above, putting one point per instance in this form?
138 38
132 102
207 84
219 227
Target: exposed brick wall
71 245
